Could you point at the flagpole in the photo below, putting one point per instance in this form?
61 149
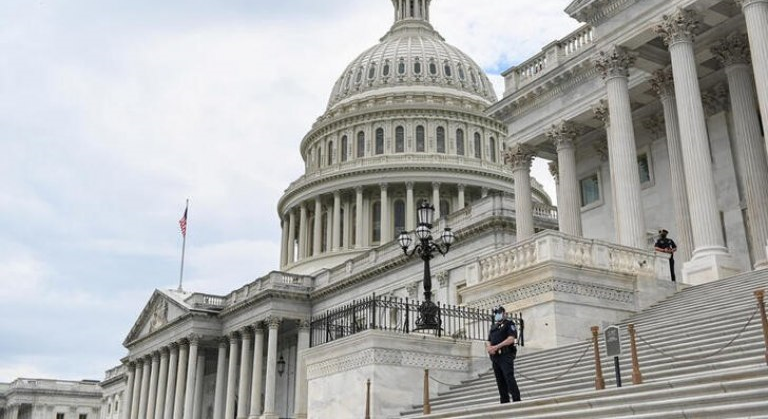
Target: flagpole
183 248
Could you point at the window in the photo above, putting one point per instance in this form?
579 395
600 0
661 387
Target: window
372 71
432 68
359 76
360 144
644 166
399 216
385 70
344 148
401 67
590 190
379 141
420 138
445 208
473 77
462 76
376 237
440 139
478 146
417 67
353 225
319 156
492 146
330 153
447 69
460 142
59 416
83 416
399 140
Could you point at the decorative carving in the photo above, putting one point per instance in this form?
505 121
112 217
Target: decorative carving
592 290
273 322
303 324
554 170
234 337
715 100
680 26
519 157
258 327
387 357
601 148
601 112
247 333
384 186
663 83
412 289
654 125
614 63
223 342
442 278
563 135
159 315
732 50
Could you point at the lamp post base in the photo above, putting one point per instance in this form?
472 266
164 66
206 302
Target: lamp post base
429 316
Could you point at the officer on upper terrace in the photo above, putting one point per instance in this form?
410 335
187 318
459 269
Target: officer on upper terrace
502 350
665 245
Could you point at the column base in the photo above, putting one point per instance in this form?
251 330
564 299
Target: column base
708 268
270 416
301 416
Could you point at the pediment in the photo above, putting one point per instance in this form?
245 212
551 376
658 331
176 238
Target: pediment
160 311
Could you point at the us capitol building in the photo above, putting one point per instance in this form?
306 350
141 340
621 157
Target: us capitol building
651 116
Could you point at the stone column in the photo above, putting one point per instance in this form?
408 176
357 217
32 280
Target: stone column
197 407
162 384
127 401
219 394
436 199
711 260
622 151
386 233
291 236
189 391
563 135
152 397
410 208
756 15
229 410
181 380
300 404
243 390
170 389
336 245
664 88
257 373
269 393
144 390
302 231
359 217
462 202
284 241
733 53
318 227
520 158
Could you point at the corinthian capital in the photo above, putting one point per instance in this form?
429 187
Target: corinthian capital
600 109
663 83
732 50
680 26
273 322
563 134
554 170
614 63
519 157
745 3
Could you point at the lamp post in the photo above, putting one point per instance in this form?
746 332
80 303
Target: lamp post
425 248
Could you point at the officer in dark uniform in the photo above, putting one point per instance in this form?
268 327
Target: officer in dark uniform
665 245
502 350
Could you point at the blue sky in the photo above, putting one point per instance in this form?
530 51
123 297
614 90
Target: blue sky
112 113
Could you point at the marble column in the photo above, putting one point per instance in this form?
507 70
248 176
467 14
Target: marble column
359 217
300 404
162 384
710 260
386 233
302 231
410 208
152 397
257 373
273 324
181 380
243 390
234 341
733 53
436 199
630 221
144 390
318 227
563 135
219 392
284 241
127 401
756 16
663 85
291 236
170 389
136 393
519 159
336 245
189 389
462 202
197 407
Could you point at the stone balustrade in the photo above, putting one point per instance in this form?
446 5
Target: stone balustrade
272 281
114 372
54 385
206 301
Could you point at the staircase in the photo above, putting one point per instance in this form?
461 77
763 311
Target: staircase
689 368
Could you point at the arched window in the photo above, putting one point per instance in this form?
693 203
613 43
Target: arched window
330 153
385 69
380 141
417 67
401 67
440 139
445 208
399 140
342 229
420 138
460 142
399 217
360 144
344 146
432 68
376 224
478 146
492 147
447 69
353 226
372 71
319 156
461 73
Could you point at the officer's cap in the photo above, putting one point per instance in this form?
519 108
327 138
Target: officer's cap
499 309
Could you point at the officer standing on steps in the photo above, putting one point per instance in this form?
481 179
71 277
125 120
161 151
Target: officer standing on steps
502 350
665 245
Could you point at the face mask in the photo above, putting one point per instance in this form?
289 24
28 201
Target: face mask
498 316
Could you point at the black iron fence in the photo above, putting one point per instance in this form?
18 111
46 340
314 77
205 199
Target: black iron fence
399 315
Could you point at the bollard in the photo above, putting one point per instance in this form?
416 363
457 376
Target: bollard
760 295
368 399
637 377
599 381
427 408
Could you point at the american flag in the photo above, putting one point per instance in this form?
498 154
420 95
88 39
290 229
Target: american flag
183 223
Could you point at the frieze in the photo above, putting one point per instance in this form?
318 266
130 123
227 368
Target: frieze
377 356
591 290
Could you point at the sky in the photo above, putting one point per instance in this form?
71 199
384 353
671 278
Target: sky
113 113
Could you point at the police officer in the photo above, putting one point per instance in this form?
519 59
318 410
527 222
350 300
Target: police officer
501 348
665 245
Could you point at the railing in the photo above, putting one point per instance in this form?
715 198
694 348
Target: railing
206 301
60 385
399 315
272 281
114 372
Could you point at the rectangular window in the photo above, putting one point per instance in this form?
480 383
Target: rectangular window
59 416
590 190
83 416
644 168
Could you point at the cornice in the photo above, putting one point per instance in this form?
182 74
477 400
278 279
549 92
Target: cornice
595 12
265 295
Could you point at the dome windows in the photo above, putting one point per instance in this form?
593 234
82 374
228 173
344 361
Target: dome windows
462 76
417 66
372 71
478 146
460 142
401 67
440 139
447 69
385 69
420 139
379 141
359 76
360 144
432 68
344 147
400 140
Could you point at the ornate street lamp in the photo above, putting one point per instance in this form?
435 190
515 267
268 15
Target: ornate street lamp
425 248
